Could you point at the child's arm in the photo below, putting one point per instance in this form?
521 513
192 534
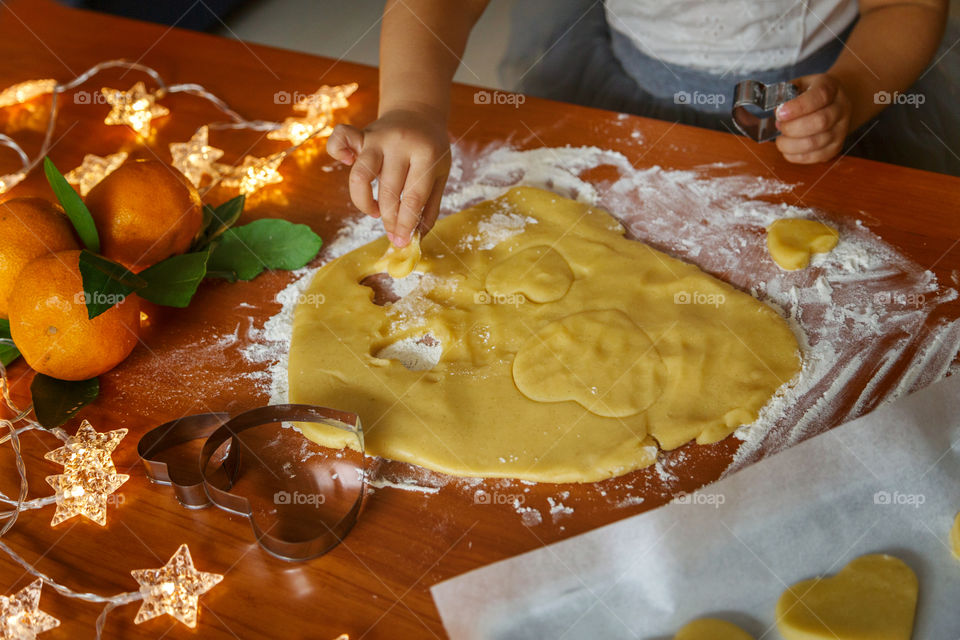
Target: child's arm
887 50
406 148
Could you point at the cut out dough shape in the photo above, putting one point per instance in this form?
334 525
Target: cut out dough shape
465 416
539 273
955 537
872 598
399 263
711 629
624 373
792 241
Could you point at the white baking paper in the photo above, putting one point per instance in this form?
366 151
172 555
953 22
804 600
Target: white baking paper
888 482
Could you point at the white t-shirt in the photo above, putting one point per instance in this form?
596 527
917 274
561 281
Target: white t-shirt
730 35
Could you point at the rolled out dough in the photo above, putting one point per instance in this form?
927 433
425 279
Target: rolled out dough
568 351
874 597
791 241
711 629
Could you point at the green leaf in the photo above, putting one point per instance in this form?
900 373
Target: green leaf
218 220
105 283
56 401
8 350
173 282
264 244
73 205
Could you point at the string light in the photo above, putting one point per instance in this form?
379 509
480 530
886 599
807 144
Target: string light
135 107
94 169
195 158
21 617
26 91
89 476
174 589
11 180
318 107
299 130
252 174
326 99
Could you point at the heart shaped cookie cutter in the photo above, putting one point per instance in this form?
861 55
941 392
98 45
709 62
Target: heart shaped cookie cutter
765 97
199 491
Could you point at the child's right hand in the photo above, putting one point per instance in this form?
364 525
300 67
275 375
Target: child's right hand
408 151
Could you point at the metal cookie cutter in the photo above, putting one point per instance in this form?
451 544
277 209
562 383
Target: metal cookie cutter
765 97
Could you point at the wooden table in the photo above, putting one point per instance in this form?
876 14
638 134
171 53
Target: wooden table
376 584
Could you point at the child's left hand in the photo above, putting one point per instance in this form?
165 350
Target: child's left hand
814 125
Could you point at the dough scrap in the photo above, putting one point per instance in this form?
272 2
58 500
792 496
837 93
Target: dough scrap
955 537
540 274
791 241
722 353
874 597
711 629
399 263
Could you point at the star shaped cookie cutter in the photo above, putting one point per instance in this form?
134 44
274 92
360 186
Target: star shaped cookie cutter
766 98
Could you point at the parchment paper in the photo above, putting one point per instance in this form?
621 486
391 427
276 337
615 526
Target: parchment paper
888 482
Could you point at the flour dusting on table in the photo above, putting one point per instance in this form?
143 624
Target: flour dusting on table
864 314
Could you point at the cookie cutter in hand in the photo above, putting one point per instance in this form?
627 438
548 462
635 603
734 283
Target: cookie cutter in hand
200 491
765 97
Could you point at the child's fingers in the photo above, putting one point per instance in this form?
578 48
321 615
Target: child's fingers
365 169
432 209
812 123
796 146
817 94
345 143
416 191
392 178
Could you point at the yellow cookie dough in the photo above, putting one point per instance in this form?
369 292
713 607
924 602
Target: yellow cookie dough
399 263
955 537
711 629
872 598
543 345
792 241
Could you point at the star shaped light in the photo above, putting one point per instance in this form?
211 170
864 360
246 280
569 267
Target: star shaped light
195 158
326 99
11 180
89 476
299 130
25 91
135 107
94 169
20 617
252 174
173 589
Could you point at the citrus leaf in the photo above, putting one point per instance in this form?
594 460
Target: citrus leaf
264 244
219 219
56 401
73 205
173 282
105 283
8 350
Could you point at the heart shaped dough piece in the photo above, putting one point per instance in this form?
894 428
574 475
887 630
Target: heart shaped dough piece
399 263
711 629
872 598
791 241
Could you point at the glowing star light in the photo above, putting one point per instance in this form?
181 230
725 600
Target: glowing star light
26 91
94 169
134 108
89 476
195 157
252 174
11 180
299 130
20 616
173 589
326 99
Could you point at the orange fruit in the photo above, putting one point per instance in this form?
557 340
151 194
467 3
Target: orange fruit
29 228
145 211
49 324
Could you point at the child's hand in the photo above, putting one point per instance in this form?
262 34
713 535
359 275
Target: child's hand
814 125
408 151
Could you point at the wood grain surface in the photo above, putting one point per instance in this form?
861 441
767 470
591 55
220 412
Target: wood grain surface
376 584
